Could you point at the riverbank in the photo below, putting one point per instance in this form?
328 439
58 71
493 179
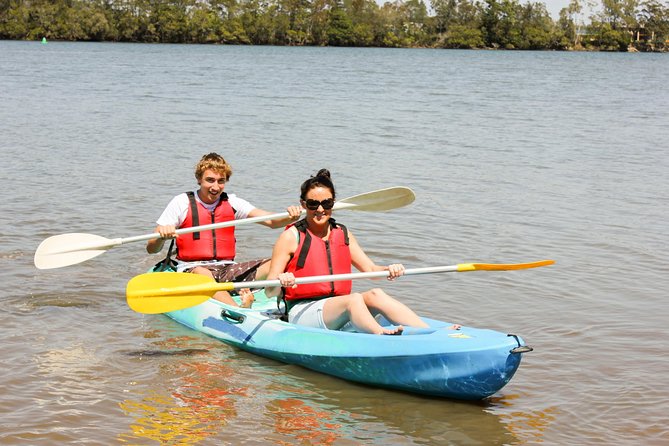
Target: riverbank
400 24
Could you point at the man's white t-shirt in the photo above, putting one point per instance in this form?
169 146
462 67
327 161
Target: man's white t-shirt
177 209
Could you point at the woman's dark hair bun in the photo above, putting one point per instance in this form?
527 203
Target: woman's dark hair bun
323 173
322 178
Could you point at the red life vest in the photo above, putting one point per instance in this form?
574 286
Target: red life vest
316 257
212 244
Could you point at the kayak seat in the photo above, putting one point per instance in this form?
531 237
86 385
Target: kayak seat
275 314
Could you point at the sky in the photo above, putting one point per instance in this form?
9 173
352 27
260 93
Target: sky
554 7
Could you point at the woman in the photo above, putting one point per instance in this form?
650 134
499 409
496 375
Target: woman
317 245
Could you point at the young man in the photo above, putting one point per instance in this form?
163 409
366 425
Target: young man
212 252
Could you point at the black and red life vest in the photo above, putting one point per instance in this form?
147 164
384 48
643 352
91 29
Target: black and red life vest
211 244
316 257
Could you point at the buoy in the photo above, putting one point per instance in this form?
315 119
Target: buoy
44 40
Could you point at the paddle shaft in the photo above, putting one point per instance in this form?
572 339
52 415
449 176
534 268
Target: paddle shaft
101 246
212 287
163 292
461 267
68 249
245 221
225 224
339 277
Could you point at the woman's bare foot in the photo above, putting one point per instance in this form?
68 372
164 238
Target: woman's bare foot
455 327
247 297
395 331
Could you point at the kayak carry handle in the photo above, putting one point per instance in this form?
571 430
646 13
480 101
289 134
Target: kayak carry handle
232 316
521 348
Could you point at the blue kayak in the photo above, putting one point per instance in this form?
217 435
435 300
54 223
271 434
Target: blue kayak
469 363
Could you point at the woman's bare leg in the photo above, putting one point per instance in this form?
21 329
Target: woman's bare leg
395 311
340 309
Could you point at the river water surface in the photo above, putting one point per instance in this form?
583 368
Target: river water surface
513 156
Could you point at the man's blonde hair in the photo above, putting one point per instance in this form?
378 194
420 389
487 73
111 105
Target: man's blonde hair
215 162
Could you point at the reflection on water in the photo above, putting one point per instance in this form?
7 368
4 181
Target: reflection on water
303 421
197 403
189 389
158 418
528 427
213 393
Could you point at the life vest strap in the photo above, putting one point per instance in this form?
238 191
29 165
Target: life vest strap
301 226
195 213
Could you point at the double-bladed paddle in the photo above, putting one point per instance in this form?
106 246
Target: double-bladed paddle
163 292
69 249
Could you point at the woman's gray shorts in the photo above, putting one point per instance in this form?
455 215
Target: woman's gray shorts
308 314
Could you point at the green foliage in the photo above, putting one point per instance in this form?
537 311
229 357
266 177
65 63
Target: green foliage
607 38
506 24
464 37
654 17
619 13
536 27
340 28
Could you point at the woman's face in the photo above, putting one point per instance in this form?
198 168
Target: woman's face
317 200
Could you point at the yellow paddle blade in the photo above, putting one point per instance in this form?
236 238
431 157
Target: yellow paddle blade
154 293
164 304
462 267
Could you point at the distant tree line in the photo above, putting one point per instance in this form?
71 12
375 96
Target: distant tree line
619 25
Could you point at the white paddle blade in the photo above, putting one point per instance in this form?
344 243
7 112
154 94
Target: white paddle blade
379 200
69 249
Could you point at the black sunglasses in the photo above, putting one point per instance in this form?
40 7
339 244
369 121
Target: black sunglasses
313 205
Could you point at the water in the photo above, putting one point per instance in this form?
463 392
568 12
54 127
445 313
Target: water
513 157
